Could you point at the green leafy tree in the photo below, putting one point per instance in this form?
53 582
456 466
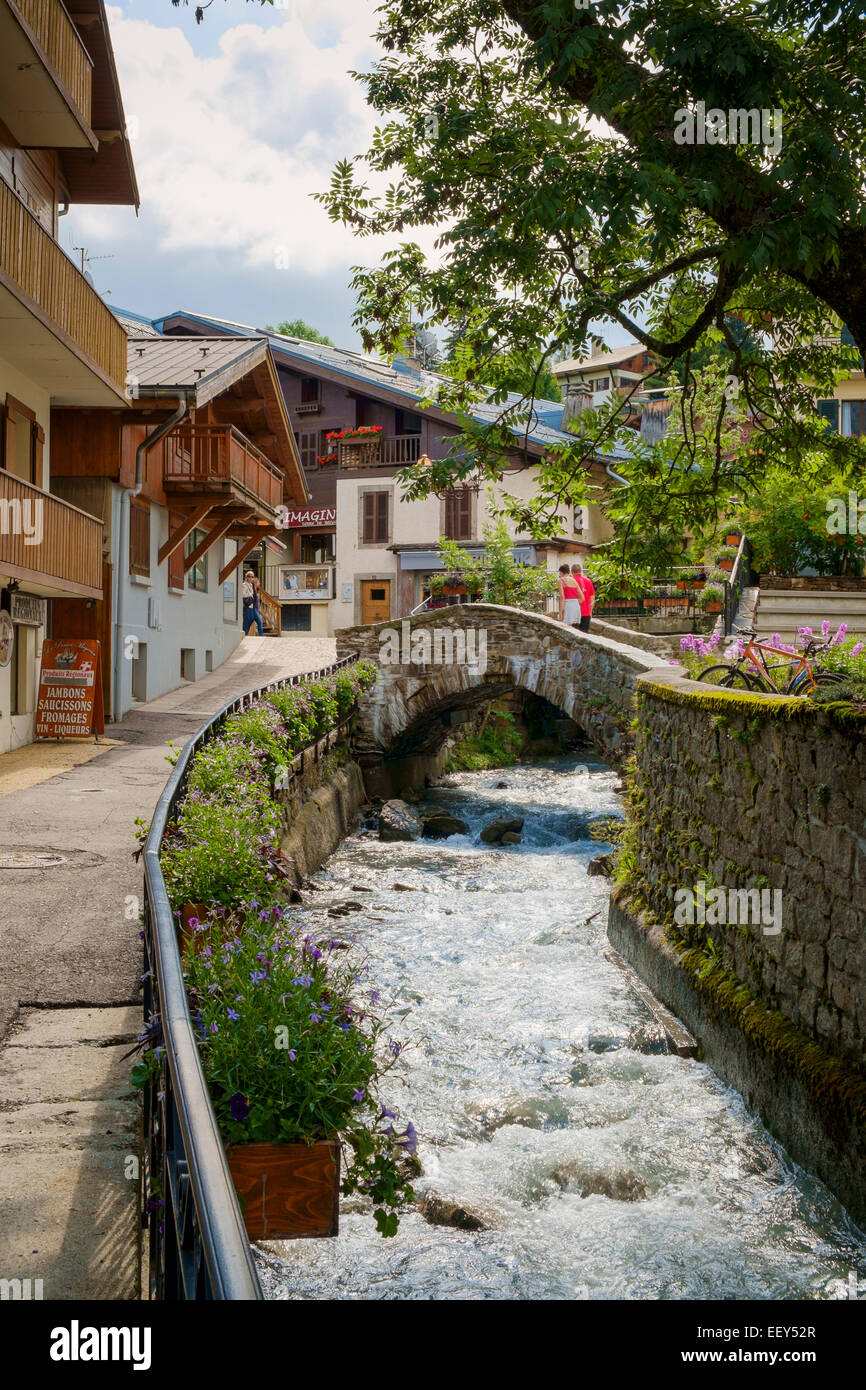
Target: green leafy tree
297 328
574 178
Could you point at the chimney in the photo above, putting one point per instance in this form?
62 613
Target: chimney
577 400
598 345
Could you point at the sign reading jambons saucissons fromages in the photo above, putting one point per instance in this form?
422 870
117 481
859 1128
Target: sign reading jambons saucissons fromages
70 689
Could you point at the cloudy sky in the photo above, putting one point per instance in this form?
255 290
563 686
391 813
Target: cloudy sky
235 123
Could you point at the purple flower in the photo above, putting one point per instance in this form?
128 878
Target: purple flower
315 1018
386 1114
239 1106
374 996
857 649
357 1095
396 1048
409 1139
825 628
232 1015
292 1054
258 975
214 1028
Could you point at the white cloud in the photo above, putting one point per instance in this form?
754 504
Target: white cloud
229 147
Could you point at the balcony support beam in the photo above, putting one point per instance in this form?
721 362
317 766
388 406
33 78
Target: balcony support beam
223 524
244 551
180 533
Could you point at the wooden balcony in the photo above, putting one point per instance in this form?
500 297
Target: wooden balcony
217 459
379 451
45 76
67 561
53 324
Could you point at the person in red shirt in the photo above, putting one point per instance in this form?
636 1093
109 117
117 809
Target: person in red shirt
587 595
570 596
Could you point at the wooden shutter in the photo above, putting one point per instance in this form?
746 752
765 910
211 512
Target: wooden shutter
375 518
175 559
458 514
139 538
307 447
38 449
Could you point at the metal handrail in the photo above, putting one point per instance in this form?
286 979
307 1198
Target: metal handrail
200 1248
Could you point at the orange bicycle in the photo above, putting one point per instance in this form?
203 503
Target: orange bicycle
751 671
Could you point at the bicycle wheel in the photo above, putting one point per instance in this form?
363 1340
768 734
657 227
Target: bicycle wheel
731 677
803 685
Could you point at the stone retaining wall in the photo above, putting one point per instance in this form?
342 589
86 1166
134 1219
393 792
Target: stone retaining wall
748 791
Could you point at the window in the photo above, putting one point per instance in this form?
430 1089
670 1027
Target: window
309 390
230 587
175 559
317 550
603 383
197 575
458 514
374 518
308 447
854 417
406 422
139 538
296 617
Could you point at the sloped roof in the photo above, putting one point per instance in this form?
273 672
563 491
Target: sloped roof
204 367
609 358
366 370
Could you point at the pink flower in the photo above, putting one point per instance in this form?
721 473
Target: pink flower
825 628
857 649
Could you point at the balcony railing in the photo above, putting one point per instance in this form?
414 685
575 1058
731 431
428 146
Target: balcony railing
218 458
68 557
33 261
379 451
59 40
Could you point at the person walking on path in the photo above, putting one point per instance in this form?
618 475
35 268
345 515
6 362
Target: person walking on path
587 595
251 604
570 594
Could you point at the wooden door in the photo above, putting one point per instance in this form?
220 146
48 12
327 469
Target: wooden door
375 600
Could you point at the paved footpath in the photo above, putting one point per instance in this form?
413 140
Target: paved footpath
70 965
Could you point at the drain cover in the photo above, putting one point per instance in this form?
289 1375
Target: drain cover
30 859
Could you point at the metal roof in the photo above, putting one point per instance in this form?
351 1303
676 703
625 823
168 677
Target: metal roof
365 369
205 366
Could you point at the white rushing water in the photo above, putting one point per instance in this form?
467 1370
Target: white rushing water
531 1057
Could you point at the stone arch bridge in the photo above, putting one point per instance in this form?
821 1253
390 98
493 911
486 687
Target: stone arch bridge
462 656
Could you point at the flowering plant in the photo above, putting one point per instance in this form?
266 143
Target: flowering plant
354 432
294 1045
222 846
326 458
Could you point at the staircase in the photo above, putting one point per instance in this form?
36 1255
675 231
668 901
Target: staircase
785 610
271 612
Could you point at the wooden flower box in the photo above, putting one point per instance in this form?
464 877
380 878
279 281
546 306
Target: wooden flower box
287 1191
726 564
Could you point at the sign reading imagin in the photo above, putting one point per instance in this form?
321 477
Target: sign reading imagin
70 689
